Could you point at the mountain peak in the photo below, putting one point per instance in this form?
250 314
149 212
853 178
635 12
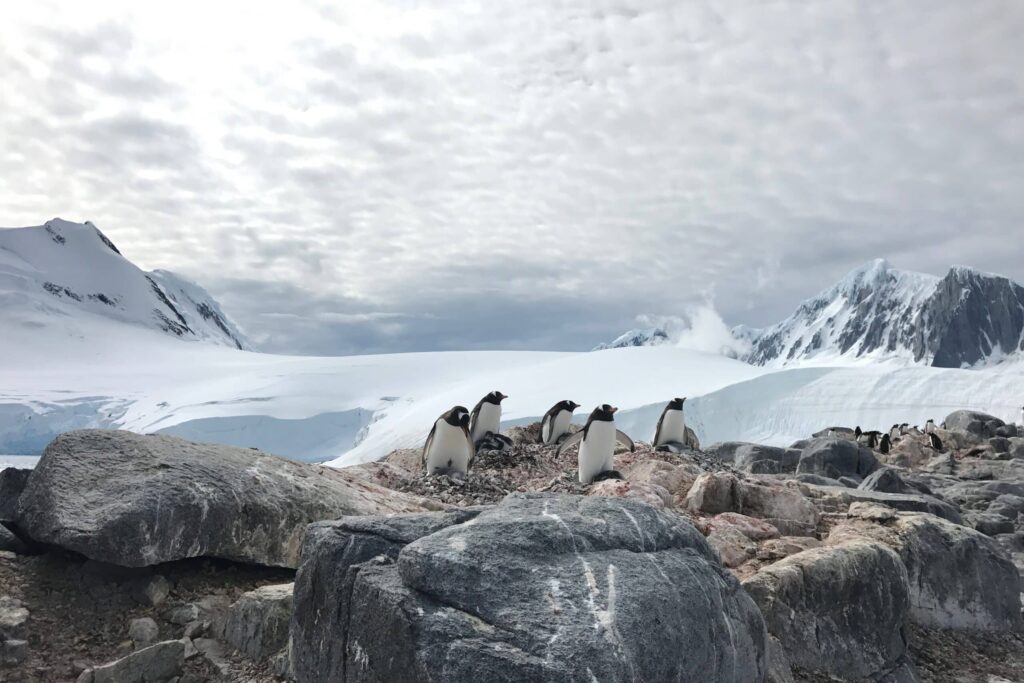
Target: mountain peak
54 273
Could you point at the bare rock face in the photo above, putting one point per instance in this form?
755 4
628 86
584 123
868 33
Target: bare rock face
257 624
137 500
540 587
836 458
837 610
973 422
784 508
12 483
959 578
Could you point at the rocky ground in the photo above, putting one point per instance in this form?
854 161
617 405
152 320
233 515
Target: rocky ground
831 560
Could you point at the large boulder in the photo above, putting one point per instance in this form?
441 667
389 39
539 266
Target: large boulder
973 422
135 500
785 508
545 587
836 458
257 623
759 459
958 577
331 556
837 610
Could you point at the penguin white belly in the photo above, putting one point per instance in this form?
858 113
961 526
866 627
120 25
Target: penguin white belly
673 428
597 451
450 449
487 420
557 426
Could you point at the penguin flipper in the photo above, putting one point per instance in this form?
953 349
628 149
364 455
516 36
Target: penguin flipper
622 438
571 441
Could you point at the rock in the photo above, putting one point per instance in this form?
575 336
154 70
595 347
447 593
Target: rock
676 478
151 590
11 543
733 547
871 512
184 614
214 653
897 501
886 480
726 451
973 422
850 482
759 459
324 580
13 652
143 632
257 623
959 578
1007 431
194 629
754 529
778 664
547 587
837 458
12 483
110 495
1008 506
999 444
989 524
851 638
159 662
817 479
13 619
785 508
775 549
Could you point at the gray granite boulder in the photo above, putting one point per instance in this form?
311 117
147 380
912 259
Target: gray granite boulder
973 422
154 664
837 610
135 500
331 556
785 508
898 501
546 587
759 459
837 458
958 577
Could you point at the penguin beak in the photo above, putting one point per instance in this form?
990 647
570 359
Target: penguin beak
613 410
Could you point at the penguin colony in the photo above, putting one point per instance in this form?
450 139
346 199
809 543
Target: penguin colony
458 433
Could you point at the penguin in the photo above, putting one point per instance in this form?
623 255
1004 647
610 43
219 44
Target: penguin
597 443
872 439
915 431
885 445
671 425
857 433
486 416
449 448
903 429
556 421
936 442
929 426
894 433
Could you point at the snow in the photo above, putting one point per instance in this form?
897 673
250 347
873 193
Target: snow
53 274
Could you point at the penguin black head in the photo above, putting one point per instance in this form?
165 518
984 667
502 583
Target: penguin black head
568 405
676 403
495 397
457 417
603 413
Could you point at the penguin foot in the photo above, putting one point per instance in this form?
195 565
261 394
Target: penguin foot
607 474
671 447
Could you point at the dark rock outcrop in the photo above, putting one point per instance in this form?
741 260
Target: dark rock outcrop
973 422
548 587
12 483
837 458
136 500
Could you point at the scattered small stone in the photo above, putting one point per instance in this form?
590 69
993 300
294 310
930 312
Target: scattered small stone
143 632
151 590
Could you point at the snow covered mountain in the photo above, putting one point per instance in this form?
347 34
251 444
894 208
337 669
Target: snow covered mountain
54 275
878 313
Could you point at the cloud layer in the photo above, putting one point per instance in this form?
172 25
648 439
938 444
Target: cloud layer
405 175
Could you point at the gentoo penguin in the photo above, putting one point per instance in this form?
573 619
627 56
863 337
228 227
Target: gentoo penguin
929 426
894 433
486 416
885 445
872 439
671 425
903 428
449 448
857 433
597 443
556 421
936 443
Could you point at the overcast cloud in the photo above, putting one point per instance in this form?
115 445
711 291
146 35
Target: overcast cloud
401 175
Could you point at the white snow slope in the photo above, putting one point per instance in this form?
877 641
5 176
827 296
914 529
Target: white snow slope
358 408
52 275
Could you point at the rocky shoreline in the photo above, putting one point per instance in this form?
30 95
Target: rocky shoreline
149 558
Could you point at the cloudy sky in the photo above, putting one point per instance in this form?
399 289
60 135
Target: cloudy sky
395 175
